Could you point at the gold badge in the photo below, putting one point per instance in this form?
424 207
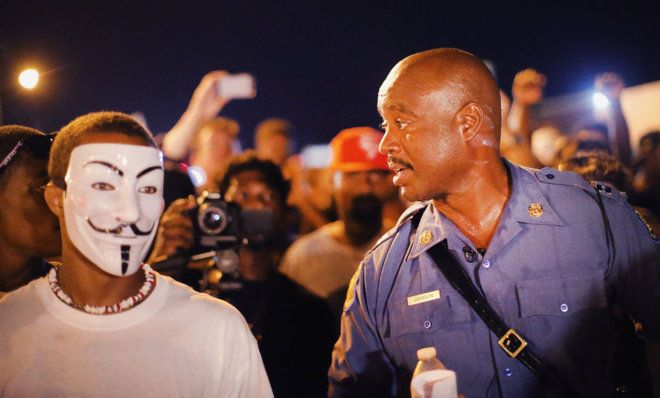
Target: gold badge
426 237
535 210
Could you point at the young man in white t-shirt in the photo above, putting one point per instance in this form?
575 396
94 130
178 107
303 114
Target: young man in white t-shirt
101 323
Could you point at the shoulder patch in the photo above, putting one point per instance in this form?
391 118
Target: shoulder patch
649 229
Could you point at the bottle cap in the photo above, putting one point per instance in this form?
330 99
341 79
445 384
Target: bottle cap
426 353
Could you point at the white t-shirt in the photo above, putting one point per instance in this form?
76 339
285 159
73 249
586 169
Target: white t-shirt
322 264
176 343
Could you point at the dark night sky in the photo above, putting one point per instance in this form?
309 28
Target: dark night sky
318 64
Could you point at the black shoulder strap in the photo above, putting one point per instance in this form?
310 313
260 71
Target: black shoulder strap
509 340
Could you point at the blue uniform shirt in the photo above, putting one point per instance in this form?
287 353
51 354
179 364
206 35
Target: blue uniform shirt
547 272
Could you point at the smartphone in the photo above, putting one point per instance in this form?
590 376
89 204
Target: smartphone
239 86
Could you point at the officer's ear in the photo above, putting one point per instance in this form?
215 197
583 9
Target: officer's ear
470 118
54 196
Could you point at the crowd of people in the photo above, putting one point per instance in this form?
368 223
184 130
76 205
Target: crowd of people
247 292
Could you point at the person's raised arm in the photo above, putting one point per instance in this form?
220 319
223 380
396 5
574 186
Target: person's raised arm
204 105
527 90
611 85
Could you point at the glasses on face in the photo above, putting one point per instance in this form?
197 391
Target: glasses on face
37 145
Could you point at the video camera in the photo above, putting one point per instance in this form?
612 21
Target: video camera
220 228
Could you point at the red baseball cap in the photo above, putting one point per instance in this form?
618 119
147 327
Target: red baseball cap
356 149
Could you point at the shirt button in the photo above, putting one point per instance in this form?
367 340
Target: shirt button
550 176
427 324
563 307
508 372
486 264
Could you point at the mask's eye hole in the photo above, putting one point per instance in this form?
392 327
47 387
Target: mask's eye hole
103 186
149 190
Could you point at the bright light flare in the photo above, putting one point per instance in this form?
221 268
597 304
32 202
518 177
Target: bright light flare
29 78
600 101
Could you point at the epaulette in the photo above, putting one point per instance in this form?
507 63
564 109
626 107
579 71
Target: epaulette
548 175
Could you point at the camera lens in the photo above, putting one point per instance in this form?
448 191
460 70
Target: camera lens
211 219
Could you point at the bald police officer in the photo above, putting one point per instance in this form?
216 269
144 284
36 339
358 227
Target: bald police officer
549 253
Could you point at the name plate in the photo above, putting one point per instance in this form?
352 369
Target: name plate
424 297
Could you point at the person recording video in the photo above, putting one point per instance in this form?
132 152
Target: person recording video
294 329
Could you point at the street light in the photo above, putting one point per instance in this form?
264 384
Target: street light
29 78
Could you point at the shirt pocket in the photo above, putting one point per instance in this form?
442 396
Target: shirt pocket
443 313
561 295
446 324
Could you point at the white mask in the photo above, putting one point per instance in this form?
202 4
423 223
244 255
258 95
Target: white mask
113 201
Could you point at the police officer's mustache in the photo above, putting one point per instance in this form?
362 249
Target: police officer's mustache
396 164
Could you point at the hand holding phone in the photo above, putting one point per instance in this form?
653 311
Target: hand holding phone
239 86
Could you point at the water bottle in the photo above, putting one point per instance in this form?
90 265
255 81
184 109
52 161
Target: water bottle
431 378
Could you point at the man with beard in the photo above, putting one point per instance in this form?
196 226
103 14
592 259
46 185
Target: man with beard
512 274
324 260
102 323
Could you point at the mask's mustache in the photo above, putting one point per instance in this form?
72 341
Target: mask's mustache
118 229
392 161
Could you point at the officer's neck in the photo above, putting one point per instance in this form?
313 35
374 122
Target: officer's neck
87 284
477 206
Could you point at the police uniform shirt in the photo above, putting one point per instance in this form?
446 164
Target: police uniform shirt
548 272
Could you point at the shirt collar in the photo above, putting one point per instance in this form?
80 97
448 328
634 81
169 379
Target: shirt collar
526 205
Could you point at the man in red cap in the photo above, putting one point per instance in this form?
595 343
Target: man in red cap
325 260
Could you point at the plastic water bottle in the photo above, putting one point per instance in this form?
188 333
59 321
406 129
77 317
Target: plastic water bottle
431 378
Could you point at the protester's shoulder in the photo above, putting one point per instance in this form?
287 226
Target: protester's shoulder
196 304
311 241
